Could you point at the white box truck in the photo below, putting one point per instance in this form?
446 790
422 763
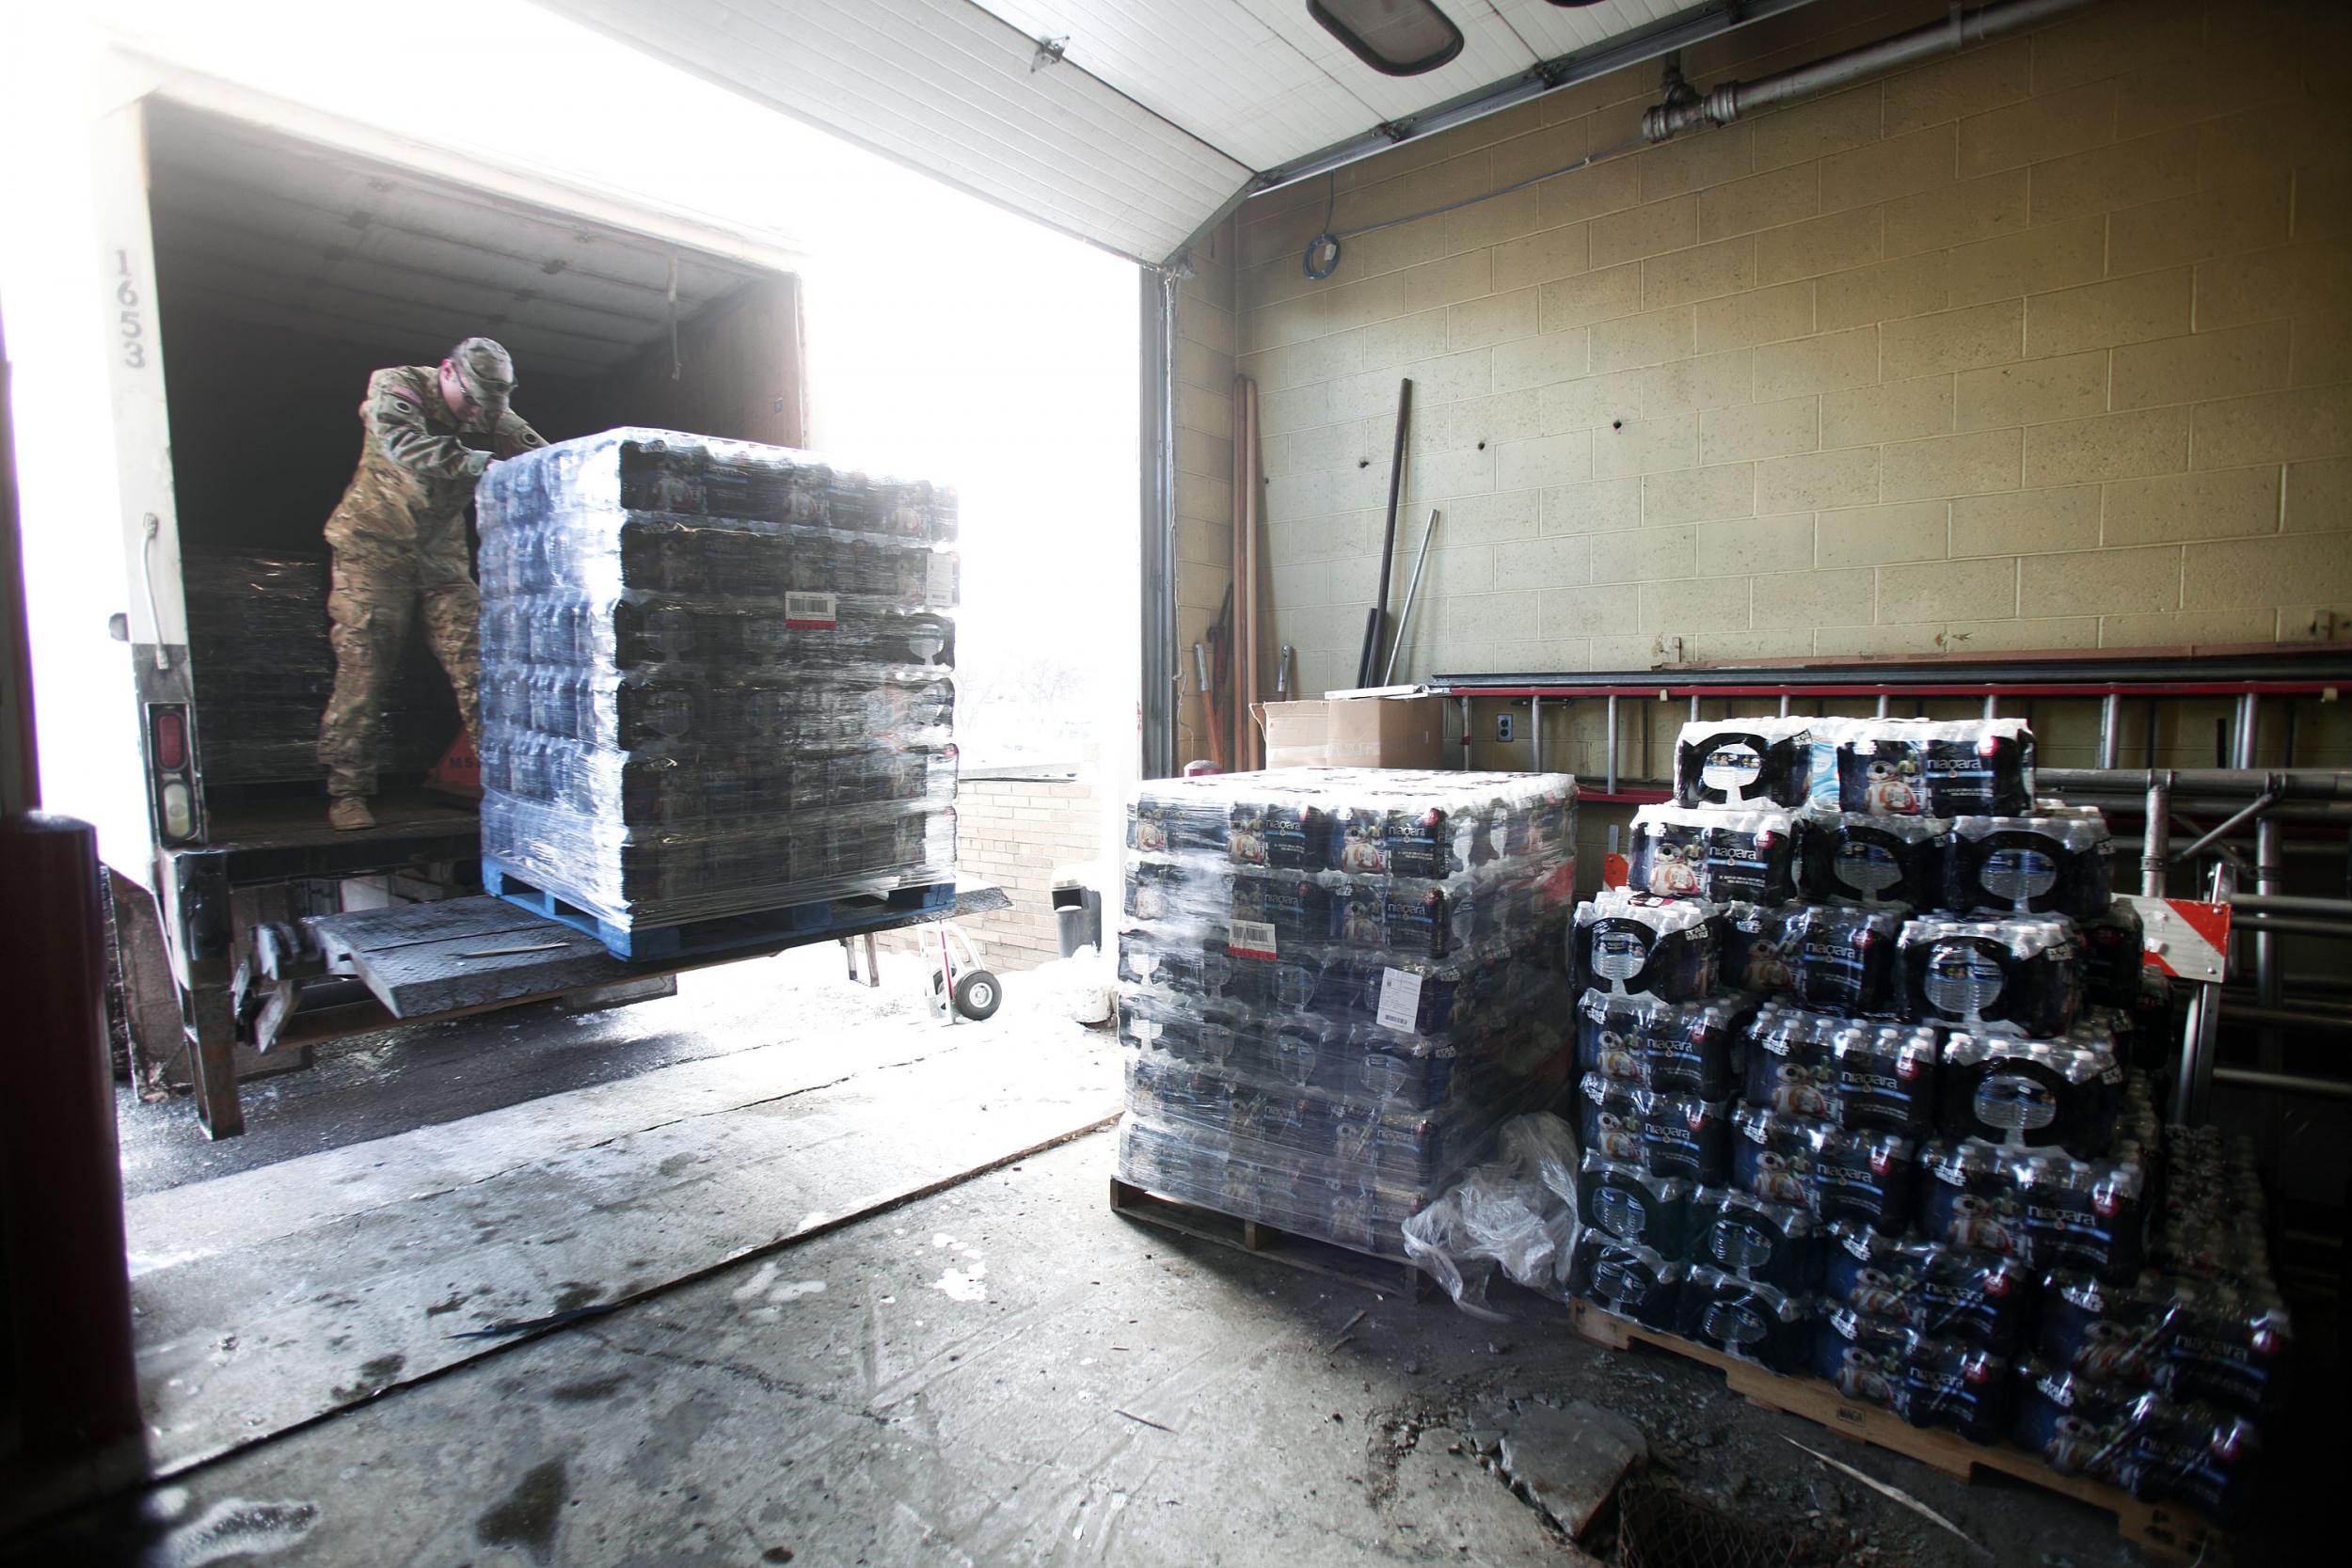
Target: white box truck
236 265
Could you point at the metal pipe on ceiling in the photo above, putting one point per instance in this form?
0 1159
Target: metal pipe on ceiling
1668 35
1728 101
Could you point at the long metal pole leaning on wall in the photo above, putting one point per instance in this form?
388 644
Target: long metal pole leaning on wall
1155 447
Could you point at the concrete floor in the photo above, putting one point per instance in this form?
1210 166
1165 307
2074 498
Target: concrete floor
968 1379
1000 1371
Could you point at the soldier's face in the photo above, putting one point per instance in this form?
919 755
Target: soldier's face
460 401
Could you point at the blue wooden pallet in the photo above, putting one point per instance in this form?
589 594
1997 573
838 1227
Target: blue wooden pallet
789 927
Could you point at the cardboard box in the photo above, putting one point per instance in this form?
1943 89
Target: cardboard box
1356 731
1296 733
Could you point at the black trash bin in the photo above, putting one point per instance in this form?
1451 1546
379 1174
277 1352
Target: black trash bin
1077 912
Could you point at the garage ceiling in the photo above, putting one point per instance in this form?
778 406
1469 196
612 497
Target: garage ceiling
276 232
1157 114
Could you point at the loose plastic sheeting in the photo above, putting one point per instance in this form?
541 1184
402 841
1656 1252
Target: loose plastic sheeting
1337 984
263 671
717 678
1516 1212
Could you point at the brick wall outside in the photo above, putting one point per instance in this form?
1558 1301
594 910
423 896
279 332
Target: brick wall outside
2044 345
1013 831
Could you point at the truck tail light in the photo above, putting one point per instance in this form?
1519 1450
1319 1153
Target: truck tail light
171 770
172 739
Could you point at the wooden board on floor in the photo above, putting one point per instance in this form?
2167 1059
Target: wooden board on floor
1388 1275
2171 1533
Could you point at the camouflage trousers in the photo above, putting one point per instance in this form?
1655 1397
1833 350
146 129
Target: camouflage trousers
369 608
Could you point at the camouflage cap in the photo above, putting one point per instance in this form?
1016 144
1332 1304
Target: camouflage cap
487 372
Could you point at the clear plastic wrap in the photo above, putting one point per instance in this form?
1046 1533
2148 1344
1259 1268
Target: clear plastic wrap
1629 943
1664 1134
1754 952
1628 1203
2042 1206
1689 1048
717 677
1841 960
1862 1176
2171 1334
1746 1318
2031 1094
1977 1298
1862 1076
1721 856
2214 1220
1334 987
2060 863
1632 1281
2147 1379
2151 1447
1924 766
1745 762
1516 1212
1775 1243
1926 1380
1850 858
2010 974
263 669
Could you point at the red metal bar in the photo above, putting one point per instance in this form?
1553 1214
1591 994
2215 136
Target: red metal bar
68 1294
1811 688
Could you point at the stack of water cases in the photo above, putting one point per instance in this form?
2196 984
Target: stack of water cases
263 669
716 677
1336 984
1857 1095
2158 1383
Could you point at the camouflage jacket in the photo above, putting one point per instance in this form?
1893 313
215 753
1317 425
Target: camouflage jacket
407 500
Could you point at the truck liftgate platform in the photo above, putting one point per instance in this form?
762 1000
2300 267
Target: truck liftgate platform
235 986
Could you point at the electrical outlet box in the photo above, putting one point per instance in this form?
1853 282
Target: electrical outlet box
1506 726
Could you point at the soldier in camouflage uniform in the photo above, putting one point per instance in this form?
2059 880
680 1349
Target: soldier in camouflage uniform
400 541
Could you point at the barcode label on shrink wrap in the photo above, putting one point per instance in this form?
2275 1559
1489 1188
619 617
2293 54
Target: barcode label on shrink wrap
1250 939
809 612
941 587
1400 1000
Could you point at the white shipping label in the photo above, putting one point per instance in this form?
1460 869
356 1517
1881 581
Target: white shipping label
1400 1000
809 611
1250 939
942 589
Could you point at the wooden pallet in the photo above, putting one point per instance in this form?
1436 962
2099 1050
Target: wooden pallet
2168 1533
1390 1276
793 923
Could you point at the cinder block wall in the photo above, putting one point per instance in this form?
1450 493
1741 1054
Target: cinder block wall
1013 829
2047 344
